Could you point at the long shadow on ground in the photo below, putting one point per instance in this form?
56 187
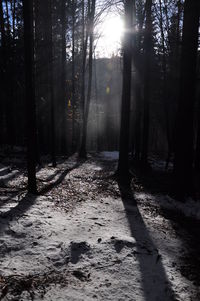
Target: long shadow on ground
187 229
9 176
155 283
15 212
28 200
61 177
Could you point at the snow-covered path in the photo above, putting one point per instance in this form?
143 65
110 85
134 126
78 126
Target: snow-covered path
99 243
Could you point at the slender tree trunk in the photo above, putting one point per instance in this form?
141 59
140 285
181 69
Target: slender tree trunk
84 54
73 78
13 17
97 105
82 152
64 96
166 15
164 86
138 85
51 84
7 17
2 28
123 164
10 129
184 146
138 121
147 76
2 68
197 150
30 94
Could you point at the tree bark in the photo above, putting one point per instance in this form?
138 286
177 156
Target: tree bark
2 68
184 146
164 86
83 152
84 54
197 150
51 83
30 94
63 75
123 164
73 78
147 75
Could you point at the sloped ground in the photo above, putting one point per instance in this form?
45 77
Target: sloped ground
86 237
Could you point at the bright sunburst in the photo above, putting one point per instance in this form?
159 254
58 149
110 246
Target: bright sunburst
110 39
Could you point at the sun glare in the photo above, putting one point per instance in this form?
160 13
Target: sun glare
110 39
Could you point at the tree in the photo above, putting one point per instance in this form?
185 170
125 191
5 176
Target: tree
51 81
2 64
63 76
82 152
147 76
197 150
123 164
137 58
30 94
74 7
184 147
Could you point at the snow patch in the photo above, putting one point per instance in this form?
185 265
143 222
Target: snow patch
189 208
110 155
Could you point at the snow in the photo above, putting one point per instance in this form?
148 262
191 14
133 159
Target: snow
110 155
189 208
158 164
99 245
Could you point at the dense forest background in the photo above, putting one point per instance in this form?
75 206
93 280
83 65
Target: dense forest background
59 96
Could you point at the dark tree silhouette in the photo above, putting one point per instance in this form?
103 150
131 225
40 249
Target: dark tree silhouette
85 36
197 150
51 82
184 146
64 22
30 94
2 64
147 75
123 165
82 152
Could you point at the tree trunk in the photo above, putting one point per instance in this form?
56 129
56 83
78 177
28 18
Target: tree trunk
73 78
30 94
51 83
123 164
13 18
84 54
82 152
138 121
164 86
2 69
64 96
184 147
147 75
197 150
7 17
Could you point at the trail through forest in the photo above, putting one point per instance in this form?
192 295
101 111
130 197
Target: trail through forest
88 237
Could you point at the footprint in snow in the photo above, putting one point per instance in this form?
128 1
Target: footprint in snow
119 244
77 249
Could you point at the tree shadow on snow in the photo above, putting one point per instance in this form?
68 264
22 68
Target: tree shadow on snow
16 212
10 197
50 177
187 229
60 179
6 177
28 200
155 283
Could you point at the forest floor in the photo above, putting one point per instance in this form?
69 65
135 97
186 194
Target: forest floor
88 237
